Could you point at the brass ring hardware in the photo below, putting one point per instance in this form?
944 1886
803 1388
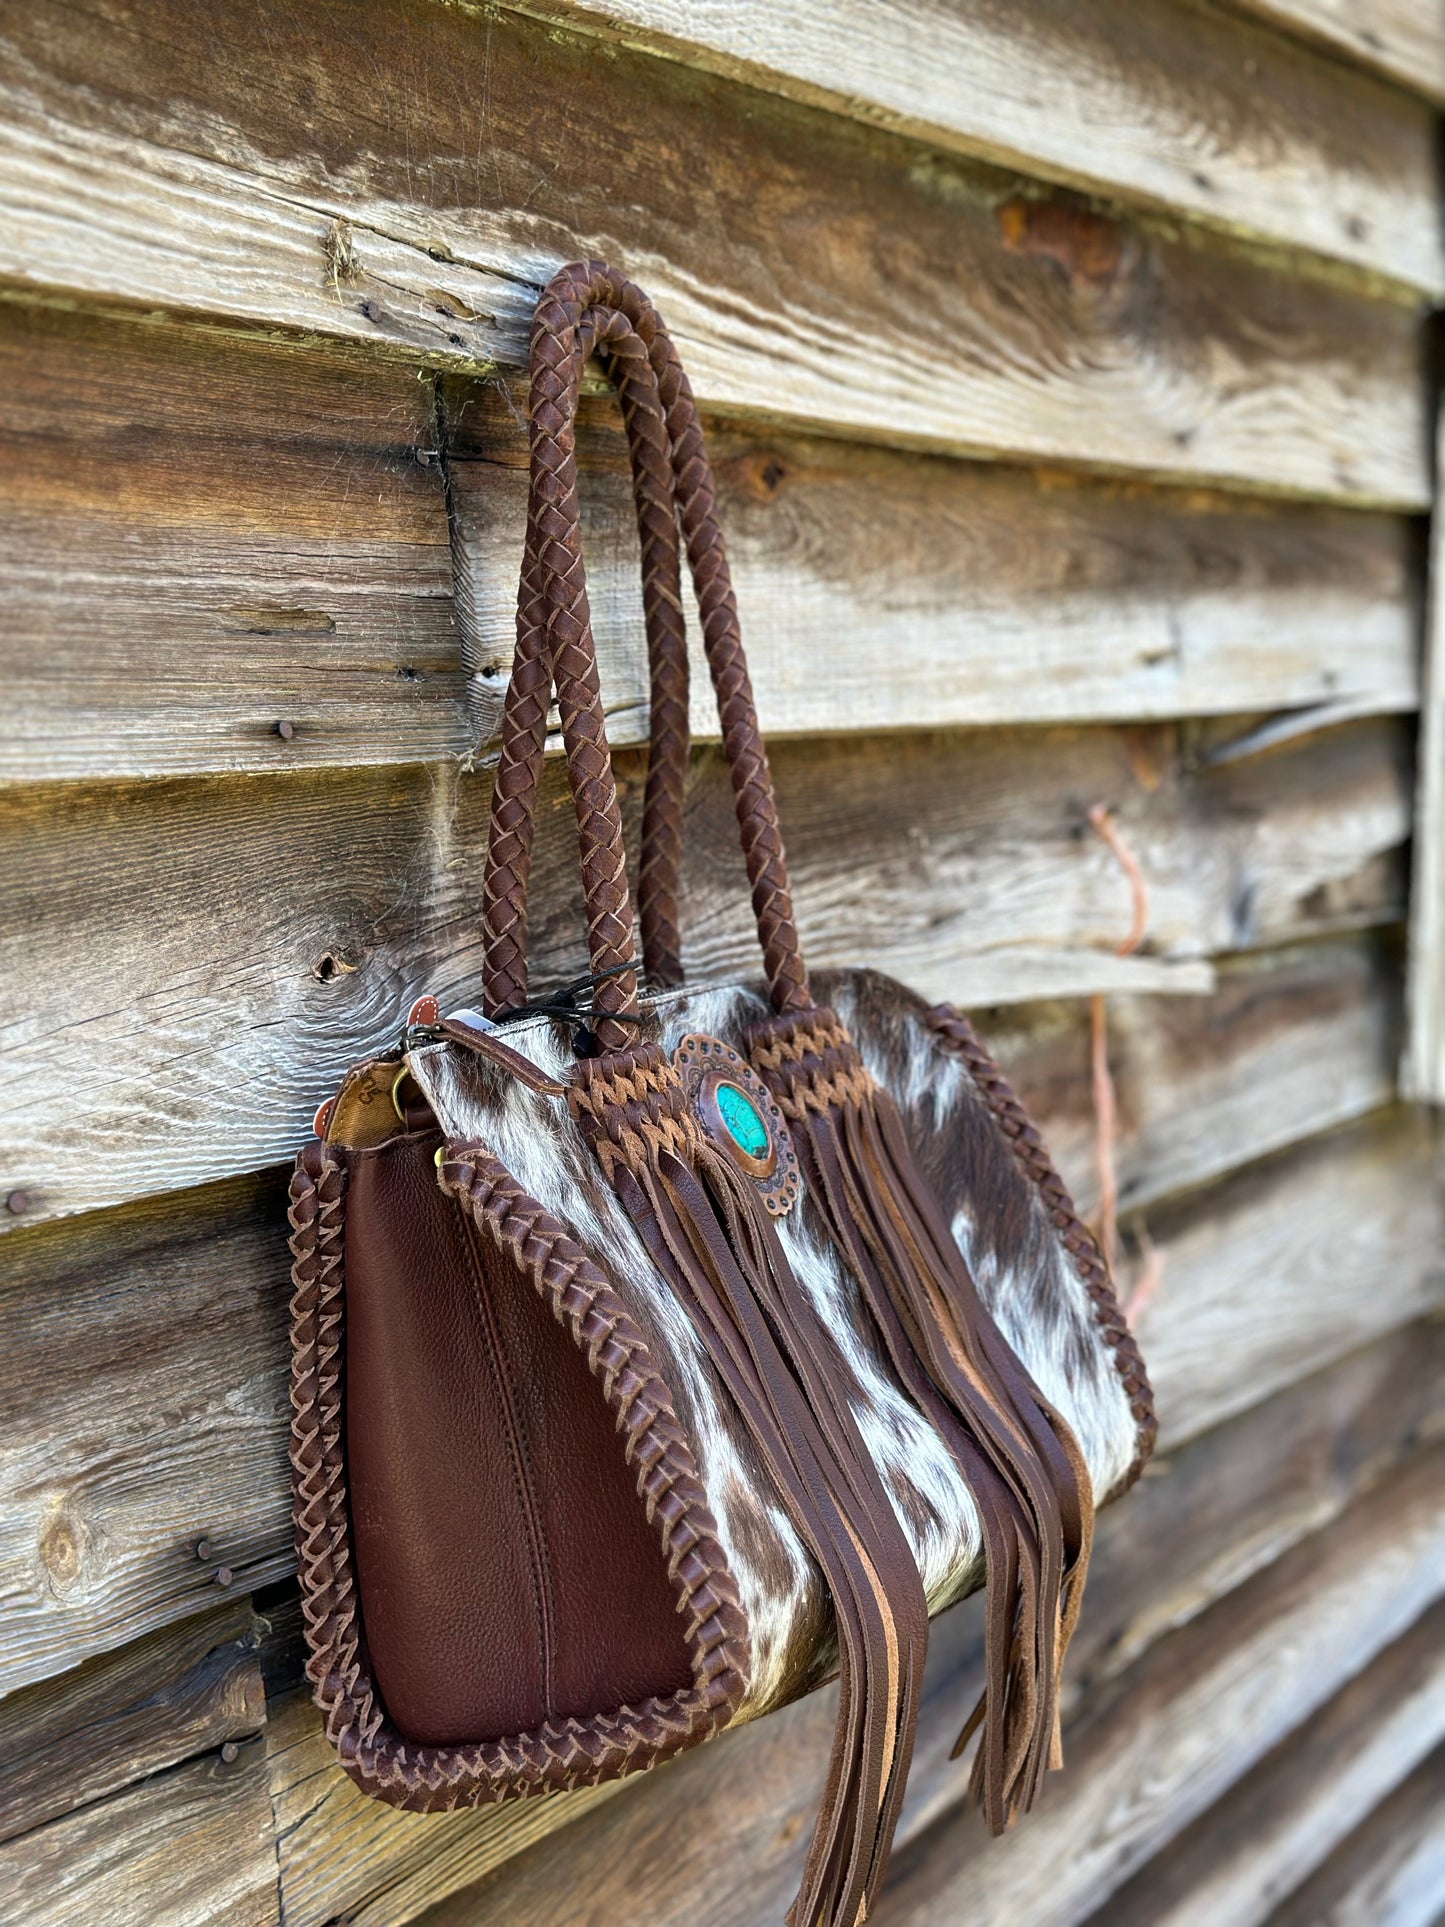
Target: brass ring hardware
396 1084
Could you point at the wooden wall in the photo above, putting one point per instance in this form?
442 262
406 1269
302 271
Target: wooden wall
1068 374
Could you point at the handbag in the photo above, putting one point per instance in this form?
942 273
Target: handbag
661 1352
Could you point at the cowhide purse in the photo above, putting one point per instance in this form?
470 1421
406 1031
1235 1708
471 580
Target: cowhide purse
660 1354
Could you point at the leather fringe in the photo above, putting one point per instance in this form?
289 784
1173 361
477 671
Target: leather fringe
1020 1460
710 1236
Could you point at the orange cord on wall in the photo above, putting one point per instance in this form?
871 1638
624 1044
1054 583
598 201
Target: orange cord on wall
1105 1103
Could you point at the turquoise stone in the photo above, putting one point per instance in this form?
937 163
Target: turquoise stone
743 1119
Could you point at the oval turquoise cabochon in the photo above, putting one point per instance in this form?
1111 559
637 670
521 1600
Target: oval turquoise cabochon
743 1119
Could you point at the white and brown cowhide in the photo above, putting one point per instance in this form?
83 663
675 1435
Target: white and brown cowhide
1023 1273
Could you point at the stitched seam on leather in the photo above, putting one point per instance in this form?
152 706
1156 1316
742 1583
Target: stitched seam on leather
617 1354
521 1467
956 1036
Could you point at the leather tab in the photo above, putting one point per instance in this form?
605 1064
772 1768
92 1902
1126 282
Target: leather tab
486 1043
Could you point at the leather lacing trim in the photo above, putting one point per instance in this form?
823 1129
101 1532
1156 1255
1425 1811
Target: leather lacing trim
636 1107
812 1064
957 1036
562 1753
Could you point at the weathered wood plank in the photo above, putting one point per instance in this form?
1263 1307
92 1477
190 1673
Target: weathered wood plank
1178 107
200 539
185 1690
1210 1514
304 913
342 1854
338 1849
1280 1822
1289 1038
146 1411
1390 1872
1330 1226
880 591
1404 39
1229 1504
1422 1071
260 535
1191 1719
1145 1752
245 164
193 1847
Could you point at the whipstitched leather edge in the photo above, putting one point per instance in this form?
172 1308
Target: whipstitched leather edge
958 1037
562 1753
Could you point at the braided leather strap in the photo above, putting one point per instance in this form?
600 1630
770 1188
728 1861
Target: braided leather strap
529 693
554 592
747 758
960 1040
587 306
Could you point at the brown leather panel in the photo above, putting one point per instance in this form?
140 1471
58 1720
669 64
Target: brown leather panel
560 1753
499 1589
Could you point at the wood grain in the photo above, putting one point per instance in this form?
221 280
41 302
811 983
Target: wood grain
1280 1822
1145 1751
1210 1514
1200 1709
342 1854
202 539
259 534
247 164
1290 1039
269 932
1403 39
1390 1872
879 590
146 1412
1337 1224
185 1690
1173 106
1230 1503
192 1847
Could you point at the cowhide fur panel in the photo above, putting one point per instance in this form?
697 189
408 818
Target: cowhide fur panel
1015 1256
1022 1271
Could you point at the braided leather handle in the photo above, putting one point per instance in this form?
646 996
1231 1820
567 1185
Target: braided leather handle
524 724
590 306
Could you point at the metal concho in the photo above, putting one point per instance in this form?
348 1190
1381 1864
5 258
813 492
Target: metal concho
741 1117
